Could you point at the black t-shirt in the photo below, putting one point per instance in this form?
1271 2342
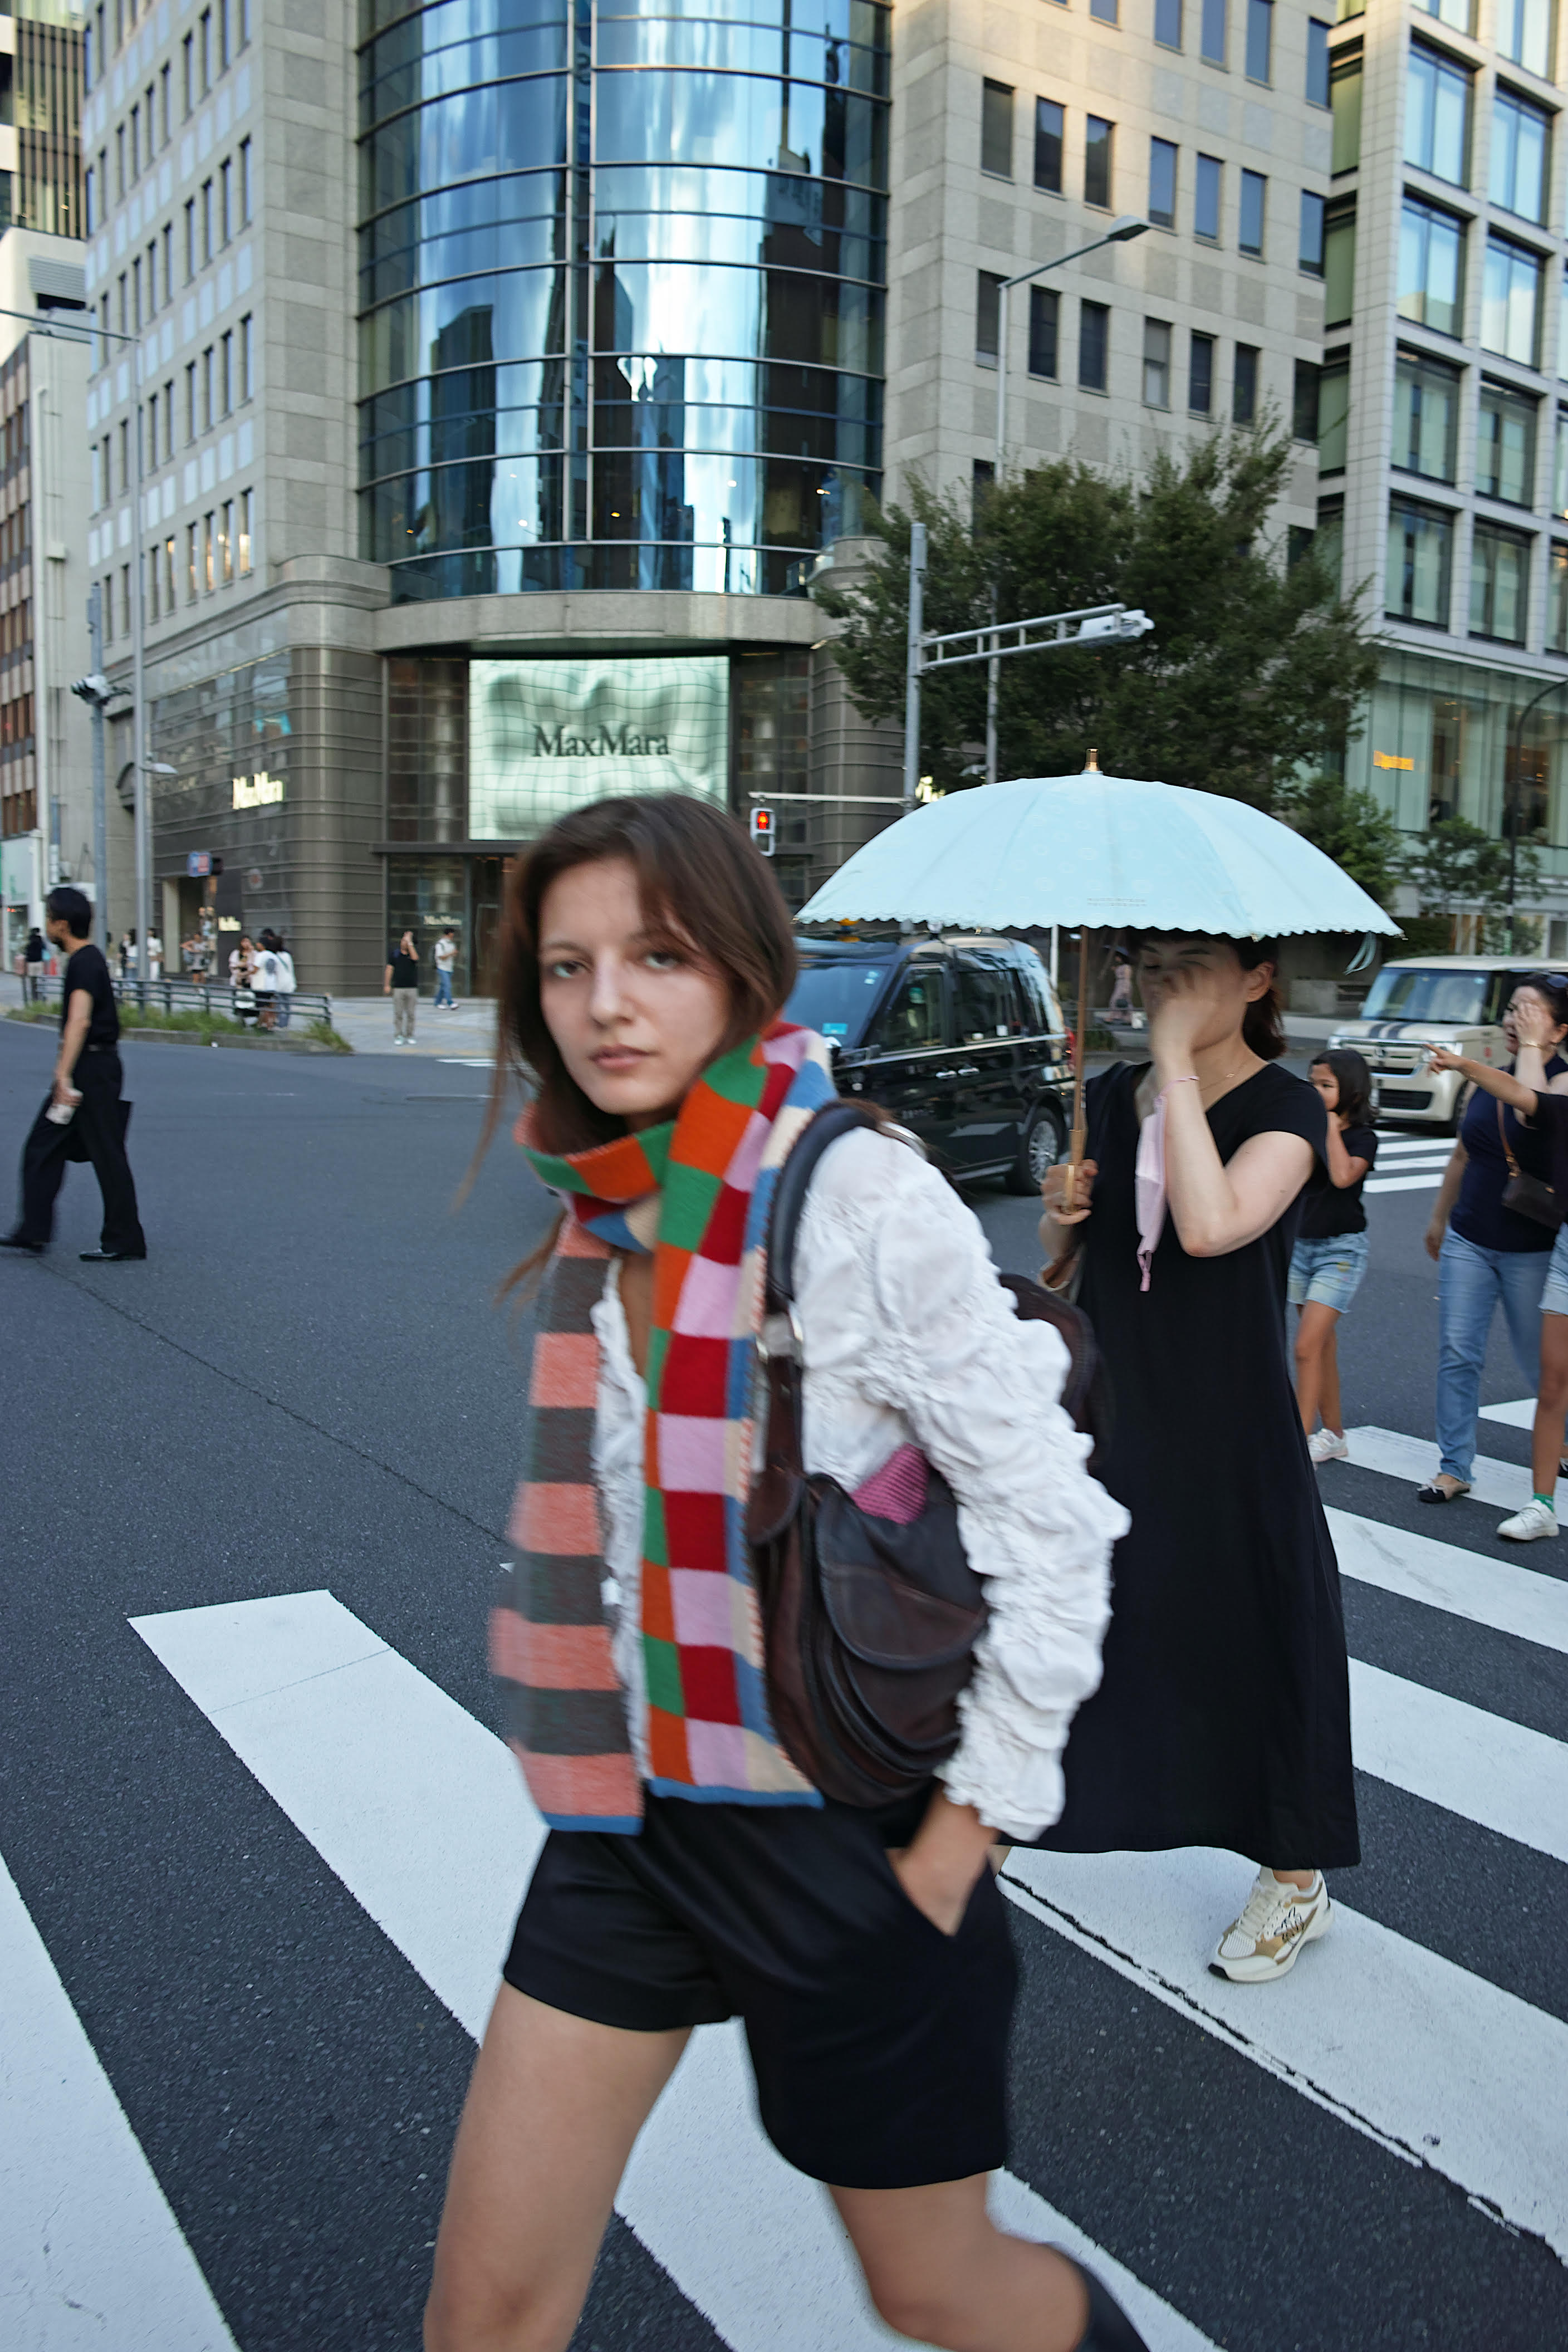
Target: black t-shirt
1478 1212
405 968
1329 1210
88 970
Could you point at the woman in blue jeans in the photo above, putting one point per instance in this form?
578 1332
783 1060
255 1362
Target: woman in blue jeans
1488 1255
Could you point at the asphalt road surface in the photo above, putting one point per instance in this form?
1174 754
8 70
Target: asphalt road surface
261 1853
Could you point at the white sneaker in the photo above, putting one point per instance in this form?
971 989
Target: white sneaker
1329 1445
1531 1523
1280 1918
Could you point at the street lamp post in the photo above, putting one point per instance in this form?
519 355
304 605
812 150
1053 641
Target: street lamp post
1120 232
1517 731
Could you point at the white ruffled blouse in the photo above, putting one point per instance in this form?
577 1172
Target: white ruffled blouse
908 1336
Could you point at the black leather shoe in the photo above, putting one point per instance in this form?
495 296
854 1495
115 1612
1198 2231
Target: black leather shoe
18 1242
1108 2329
109 1257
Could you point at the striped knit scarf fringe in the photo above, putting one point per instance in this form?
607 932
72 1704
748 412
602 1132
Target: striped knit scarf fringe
706 1731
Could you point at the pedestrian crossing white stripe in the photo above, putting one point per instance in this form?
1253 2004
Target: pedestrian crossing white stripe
1520 1414
420 1811
1517 1600
90 2253
1430 2060
1492 1771
465 1061
1404 1183
1408 1146
1504 1484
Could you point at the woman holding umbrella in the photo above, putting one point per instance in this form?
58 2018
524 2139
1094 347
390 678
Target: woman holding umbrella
1223 1718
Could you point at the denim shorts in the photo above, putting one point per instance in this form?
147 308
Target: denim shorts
1329 1272
1554 1297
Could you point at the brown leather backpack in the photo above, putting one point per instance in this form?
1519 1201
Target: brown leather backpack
869 1625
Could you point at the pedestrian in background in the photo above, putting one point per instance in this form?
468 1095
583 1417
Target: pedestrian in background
402 984
445 957
1223 1717
84 1117
1330 1257
692 1873
1122 987
33 959
1530 1093
242 980
1490 1254
286 981
154 955
266 982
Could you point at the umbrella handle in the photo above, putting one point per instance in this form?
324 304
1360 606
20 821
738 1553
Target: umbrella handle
1080 1131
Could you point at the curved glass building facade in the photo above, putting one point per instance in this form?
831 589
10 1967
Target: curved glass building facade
622 289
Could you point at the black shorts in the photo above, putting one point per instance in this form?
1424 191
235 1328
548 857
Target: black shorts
878 2044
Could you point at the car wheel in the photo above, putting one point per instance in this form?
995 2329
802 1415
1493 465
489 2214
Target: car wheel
1042 1141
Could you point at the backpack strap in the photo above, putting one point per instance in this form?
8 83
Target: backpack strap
834 1119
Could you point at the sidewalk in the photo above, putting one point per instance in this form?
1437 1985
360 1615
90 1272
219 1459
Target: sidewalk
469 1033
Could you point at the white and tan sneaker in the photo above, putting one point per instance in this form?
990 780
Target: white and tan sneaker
1536 1519
1280 1918
1329 1445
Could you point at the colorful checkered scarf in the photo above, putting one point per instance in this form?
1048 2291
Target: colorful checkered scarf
704 1185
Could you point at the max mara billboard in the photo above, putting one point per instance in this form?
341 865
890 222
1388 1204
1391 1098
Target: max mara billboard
545 737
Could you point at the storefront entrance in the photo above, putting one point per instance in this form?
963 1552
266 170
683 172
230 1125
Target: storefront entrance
424 895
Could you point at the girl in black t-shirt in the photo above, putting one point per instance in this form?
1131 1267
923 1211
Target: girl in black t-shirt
1330 1256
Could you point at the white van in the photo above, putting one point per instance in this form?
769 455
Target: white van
1426 1000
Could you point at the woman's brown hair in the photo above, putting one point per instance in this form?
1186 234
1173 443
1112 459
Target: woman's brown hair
1262 1026
699 878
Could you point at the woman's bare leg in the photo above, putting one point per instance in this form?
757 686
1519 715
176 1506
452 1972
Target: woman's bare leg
1314 1329
1328 1404
1552 1404
940 2271
553 2109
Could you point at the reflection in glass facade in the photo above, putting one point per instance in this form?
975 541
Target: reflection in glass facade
622 289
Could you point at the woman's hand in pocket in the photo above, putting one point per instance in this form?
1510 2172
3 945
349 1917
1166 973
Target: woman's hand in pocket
938 1869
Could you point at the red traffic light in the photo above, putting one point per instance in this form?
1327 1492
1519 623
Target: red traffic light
764 829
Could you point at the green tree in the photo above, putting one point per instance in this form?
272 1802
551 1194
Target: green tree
1350 827
1454 866
1253 669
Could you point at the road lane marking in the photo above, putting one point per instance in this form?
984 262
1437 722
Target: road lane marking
1481 1766
90 2253
420 1812
1520 1414
1432 2062
1404 1183
1517 1600
1503 1485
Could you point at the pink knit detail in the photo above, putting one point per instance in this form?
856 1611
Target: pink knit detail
898 1490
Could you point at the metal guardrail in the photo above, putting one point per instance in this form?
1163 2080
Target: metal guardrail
196 996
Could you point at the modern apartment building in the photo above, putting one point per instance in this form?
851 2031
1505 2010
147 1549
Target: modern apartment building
504 367
1443 444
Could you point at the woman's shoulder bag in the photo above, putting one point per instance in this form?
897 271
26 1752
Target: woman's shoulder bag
869 1622
1528 1196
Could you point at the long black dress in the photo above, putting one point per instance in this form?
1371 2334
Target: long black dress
1223 1717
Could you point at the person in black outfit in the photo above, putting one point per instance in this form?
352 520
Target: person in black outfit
33 956
1223 1718
1331 1253
89 1054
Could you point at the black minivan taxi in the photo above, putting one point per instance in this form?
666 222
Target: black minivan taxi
960 1038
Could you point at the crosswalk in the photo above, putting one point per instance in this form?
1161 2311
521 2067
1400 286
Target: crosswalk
1401 2065
1409 1163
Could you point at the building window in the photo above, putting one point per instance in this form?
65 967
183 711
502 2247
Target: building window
1298 545
1211 32
205 49
1426 416
1049 123
171 573
1168 22
1304 402
226 373
1317 62
1345 97
226 200
1420 562
1338 263
209 550
1163 183
246 381
1097 138
189 73
1259 40
1254 196
225 542
1460 14
1333 415
1200 375
191 425
1329 538
1519 157
190 239
1045 319
987 316
1559 466
246 528
1511 301
1437 117
1206 198
1505 445
245 183
1557 601
997 129
1093 345
1431 267
1500 583
1156 363
1106 10
1524 34
207 245
209 405
1310 245
1244 385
